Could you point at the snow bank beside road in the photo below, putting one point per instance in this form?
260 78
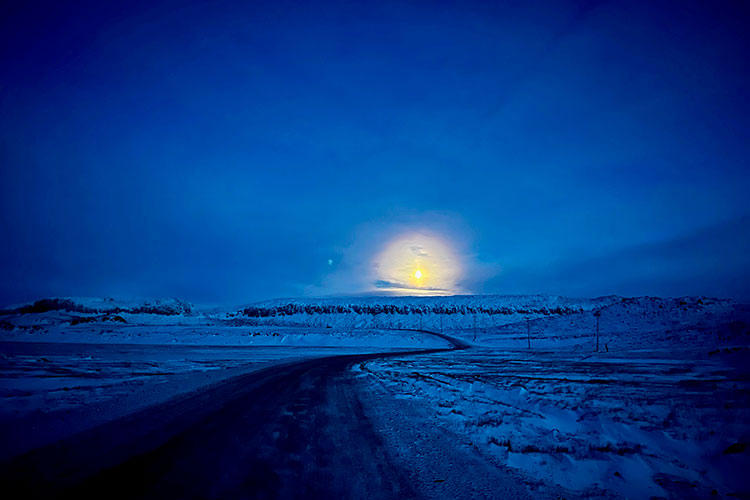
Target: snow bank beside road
652 423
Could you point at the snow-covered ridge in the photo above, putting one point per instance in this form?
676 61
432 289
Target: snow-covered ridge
508 321
490 320
462 304
164 307
535 305
456 304
171 321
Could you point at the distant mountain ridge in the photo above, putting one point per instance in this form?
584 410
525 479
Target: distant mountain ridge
164 307
456 304
372 305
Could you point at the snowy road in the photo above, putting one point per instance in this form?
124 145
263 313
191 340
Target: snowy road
292 431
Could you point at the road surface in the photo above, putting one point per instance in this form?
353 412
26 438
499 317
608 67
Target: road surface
297 430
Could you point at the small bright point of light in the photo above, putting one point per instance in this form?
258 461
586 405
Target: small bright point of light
418 274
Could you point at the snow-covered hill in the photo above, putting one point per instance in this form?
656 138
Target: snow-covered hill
105 305
490 320
509 321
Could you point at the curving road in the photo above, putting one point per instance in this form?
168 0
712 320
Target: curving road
297 430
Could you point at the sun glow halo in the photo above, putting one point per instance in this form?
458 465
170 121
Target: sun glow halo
417 264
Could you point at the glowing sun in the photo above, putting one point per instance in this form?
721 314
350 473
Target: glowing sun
417 264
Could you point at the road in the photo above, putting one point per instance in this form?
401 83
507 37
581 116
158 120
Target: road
297 430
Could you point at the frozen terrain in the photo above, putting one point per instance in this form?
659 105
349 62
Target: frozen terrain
641 424
659 411
505 321
52 390
107 321
67 365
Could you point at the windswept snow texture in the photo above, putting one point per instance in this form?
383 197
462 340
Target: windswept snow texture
640 424
660 411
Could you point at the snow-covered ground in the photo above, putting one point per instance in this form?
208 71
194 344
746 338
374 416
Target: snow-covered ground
641 424
69 364
498 321
219 334
506 321
627 324
52 390
660 411
106 321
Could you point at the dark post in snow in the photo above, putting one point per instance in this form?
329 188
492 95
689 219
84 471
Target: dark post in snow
597 314
528 331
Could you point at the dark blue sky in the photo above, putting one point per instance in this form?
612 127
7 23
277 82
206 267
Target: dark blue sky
224 152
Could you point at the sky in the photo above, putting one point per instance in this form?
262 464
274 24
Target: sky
227 152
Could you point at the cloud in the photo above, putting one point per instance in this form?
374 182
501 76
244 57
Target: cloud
403 286
419 251
384 255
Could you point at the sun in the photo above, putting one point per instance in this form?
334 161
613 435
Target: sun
417 264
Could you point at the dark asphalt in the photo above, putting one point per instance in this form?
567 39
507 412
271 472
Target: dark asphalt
290 431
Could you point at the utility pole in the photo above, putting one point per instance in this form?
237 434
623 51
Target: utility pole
528 331
597 314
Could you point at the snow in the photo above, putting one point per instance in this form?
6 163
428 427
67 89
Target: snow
660 411
429 313
106 305
51 390
630 424
498 321
69 364
109 321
